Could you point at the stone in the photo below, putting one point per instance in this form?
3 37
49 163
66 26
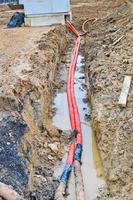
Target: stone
54 147
50 157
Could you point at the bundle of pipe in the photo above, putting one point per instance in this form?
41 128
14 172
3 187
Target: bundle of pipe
76 125
75 151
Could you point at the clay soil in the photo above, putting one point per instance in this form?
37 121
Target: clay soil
30 146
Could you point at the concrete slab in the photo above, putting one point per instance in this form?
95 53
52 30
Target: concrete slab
46 20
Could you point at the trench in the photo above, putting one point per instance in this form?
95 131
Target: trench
91 163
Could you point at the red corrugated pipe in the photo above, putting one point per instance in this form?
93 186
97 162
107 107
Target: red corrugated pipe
75 151
93 20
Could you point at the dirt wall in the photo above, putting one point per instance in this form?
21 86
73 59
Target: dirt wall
107 64
30 145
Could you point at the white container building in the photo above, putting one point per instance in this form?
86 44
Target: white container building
46 12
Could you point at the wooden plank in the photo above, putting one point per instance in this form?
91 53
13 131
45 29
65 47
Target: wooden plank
119 39
125 90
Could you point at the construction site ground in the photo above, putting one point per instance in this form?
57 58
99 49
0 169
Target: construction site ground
30 58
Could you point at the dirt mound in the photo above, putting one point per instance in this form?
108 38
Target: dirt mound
93 8
29 142
107 63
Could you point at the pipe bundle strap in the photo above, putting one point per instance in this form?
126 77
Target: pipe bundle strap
65 175
78 152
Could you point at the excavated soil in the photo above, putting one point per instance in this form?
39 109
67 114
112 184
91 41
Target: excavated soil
30 145
107 63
